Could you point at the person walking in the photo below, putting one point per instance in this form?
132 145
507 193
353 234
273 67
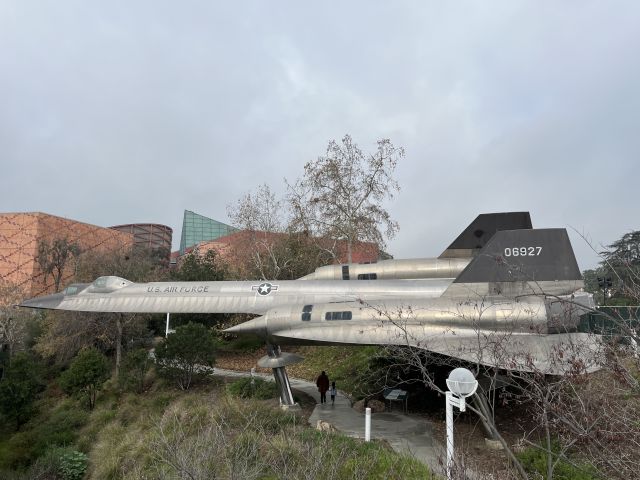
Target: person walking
333 391
323 385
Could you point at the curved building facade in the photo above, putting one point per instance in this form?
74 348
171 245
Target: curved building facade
149 235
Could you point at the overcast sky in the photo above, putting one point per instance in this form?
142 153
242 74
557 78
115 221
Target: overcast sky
132 111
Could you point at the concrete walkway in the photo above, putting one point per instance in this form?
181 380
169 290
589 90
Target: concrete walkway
405 433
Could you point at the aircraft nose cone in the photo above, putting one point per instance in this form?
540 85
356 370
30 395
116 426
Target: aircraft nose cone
47 301
257 326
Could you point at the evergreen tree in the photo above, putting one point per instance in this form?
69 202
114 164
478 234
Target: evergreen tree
18 389
186 354
86 374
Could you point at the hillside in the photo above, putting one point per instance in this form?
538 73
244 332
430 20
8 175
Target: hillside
200 434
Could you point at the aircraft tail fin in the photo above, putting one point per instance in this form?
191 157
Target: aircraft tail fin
480 231
517 262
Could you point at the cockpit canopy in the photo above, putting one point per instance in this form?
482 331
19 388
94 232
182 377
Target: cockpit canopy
108 284
75 288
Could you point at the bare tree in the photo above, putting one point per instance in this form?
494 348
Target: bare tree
66 333
341 194
413 347
53 258
137 264
13 321
273 250
583 416
259 211
559 405
261 217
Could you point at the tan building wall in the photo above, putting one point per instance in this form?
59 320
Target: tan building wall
19 237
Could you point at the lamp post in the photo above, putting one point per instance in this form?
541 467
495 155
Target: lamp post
605 284
461 384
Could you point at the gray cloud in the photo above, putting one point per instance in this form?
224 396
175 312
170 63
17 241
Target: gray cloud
133 111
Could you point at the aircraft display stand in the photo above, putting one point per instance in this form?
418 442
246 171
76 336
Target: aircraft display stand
277 361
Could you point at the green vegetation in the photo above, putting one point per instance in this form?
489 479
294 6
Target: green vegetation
57 425
18 389
534 460
620 264
184 355
207 434
195 267
85 375
243 343
348 366
134 369
200 433
73 464
253 388
58 463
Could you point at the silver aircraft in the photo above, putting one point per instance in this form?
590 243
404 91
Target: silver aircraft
515 304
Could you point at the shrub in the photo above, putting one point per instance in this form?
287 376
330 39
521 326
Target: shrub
58 463
253 388
187 354
73 464
59 428
534 461
86 374
19 388
134 368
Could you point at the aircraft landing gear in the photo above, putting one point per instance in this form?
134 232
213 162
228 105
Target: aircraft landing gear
277 361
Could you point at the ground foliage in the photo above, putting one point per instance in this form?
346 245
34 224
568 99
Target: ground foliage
253 388
135 366
534 461
18 389
58 425
207 435
348 366
186 355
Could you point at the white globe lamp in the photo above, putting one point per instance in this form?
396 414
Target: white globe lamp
461 384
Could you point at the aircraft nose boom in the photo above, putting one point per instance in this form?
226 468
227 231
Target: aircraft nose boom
257 326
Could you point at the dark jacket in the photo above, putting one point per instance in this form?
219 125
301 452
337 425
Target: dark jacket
323 383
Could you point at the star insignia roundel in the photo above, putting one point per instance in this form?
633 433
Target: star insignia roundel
264 288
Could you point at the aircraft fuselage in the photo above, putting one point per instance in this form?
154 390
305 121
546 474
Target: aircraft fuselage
230 297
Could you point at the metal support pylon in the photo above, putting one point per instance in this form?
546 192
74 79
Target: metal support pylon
277 361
